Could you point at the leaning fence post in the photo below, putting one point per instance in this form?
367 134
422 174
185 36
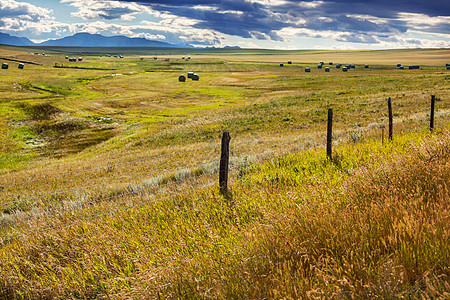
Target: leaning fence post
224 159
432 113
390 118
329 132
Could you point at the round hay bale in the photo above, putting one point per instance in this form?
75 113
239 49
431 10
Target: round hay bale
327 69
281 65
195 77
21 66
319 66
338 66
190 74
182 78
344 69
289 62
366 66
308 69
4 66
399 65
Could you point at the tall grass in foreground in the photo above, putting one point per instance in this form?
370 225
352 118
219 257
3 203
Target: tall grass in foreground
375 223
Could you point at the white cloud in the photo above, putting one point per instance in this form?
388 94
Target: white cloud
11 9
108 9
312 4
149 36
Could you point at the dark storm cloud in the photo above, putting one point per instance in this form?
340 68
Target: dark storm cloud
261 19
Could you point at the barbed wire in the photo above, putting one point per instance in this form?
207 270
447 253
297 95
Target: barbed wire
106 183
92 202
108 166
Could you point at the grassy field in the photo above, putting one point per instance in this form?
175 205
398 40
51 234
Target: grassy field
109 175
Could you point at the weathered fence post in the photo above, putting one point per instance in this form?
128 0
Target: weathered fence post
432 113
329 132
390 118
224 159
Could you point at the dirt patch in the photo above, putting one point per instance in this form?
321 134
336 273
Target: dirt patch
40 111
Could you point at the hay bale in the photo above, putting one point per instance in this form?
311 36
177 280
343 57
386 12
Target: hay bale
330 63
399 65
195 77
289 62
182 78
281 65
21 66
366 66
327 69
338 66
4 66
344 69
308 69
80 58
190 74
319 66
66 57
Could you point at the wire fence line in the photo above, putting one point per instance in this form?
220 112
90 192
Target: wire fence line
241 141
155 188
235 165
238 142
263 153
107 166
105 183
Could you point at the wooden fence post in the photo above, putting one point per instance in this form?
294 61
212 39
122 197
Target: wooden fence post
329 132
224 159
432 113
390 118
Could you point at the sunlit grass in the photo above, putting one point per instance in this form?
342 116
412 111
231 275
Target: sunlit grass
296 226
109 176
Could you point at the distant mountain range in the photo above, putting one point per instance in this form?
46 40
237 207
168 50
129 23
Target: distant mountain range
14 40
88 40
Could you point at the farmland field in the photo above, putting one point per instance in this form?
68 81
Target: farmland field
108 172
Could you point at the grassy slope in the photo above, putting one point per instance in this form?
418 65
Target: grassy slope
375 223
198 245
145 107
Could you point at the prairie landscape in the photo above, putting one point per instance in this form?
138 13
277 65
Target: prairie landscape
109 174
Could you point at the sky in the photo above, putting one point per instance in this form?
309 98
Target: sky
271 24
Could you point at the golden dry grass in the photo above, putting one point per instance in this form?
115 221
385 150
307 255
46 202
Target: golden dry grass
103 174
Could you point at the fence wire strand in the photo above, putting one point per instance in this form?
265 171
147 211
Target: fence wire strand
92 202
107 166
106 183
